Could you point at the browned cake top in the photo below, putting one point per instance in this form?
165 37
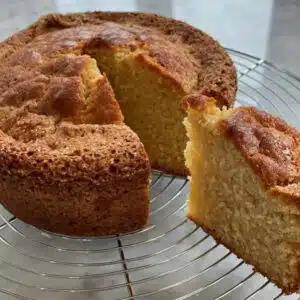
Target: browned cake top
49 82
67 87
190 57
40 103
269 144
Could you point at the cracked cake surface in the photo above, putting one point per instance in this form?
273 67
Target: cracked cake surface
66 84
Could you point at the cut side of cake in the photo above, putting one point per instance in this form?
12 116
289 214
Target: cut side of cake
245 185
68 85
150 61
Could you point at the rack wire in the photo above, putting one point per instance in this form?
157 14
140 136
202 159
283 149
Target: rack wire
169 259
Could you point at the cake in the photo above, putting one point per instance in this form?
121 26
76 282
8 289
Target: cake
68 162
245 185
151 62
59 170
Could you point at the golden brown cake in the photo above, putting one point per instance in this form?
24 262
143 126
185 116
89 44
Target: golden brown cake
59 170
68 163
150 61
245 185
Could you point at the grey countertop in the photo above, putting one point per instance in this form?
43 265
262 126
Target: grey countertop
269 29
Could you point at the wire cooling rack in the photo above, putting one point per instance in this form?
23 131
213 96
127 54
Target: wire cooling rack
169 259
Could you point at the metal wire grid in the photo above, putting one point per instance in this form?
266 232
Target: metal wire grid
169 259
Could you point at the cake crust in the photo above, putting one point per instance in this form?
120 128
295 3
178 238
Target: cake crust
185 59
190 56
269 144
78 180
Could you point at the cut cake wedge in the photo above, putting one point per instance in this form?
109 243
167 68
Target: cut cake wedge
245 185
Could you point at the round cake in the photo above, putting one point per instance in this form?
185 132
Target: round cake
68 162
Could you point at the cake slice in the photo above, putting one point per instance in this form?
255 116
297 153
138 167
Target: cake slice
245 185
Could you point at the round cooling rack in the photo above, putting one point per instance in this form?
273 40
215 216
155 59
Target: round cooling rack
169 259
